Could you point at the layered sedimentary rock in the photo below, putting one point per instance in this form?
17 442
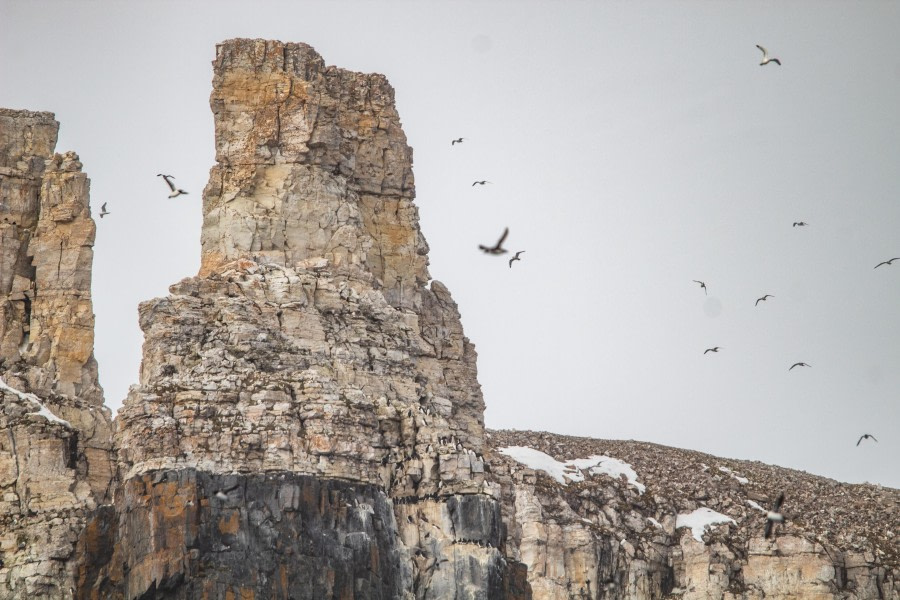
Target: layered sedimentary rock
308 346
620 529
308 421
55 434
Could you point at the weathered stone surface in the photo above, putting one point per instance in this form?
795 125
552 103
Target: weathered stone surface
55 434
603 538
308 421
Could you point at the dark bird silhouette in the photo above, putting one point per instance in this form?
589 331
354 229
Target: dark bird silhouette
766 60
103 211
763 299
799 364
457 141
774 516
482 182
716 349
865 436
703 285
799 224
887 262
175 191
498 247
515 258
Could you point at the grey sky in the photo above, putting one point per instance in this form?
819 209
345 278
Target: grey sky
633 148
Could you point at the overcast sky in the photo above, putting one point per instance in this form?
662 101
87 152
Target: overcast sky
633 147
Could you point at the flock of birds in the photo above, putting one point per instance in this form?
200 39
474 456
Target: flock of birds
773 516
497 248
175 192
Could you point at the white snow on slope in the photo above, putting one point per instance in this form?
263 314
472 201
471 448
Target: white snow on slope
42 410
700 519
571 470
743 480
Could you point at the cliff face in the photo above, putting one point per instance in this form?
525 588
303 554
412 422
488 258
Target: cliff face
308 421
55 434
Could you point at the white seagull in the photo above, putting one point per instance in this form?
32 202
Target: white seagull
716 349
865 436
774 516
515 258
103 211
457 141
887 262
766 60
175 191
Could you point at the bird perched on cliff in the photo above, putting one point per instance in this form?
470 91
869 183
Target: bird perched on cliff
799 224
457 141
865 436
716 349
799 364
103 211
515 258
703 285
774 516
887 262
175 191
498 247
763 299
766 60
482 182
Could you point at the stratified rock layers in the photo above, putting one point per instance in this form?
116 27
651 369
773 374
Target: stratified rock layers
309 344
308 421
55 434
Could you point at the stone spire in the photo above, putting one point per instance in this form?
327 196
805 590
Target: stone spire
311 162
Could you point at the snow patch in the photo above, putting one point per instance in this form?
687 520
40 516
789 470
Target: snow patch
572 469
743 480
700 519
42 410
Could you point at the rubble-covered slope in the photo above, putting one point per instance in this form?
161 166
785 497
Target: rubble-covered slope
613 538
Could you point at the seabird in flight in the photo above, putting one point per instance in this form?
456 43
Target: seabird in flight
864 437
175 191
766 60
716 349
799 224
887 262
774 516
482 182
703 285
457 141
498 247
515 258
763 299
799 364
103 211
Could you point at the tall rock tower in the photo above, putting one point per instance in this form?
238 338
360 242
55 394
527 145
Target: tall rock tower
308 422
55 433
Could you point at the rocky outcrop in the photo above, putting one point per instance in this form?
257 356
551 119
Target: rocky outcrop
308 421
309 345
55 433
596 534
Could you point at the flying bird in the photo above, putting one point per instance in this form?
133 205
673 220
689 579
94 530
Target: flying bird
703 285
175 191
887 262
457 141
774 516
515 258
103 211
799 364
716 349
799 224
498 247
763 299
766 60
482 182
865 436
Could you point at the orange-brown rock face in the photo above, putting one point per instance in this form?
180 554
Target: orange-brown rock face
55 434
